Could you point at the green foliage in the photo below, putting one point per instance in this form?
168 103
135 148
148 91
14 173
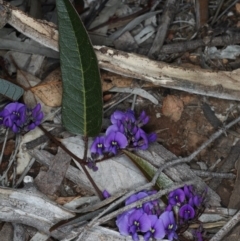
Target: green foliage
82 93
149 170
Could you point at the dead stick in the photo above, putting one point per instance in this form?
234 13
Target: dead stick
226 228
166 20
232 38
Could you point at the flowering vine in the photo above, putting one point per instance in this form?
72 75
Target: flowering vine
125 132
153 221
18 117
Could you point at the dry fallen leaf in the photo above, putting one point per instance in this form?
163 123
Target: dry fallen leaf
172 107
50 90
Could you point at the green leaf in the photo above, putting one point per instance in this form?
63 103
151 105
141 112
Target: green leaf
10 90
82 92
149 170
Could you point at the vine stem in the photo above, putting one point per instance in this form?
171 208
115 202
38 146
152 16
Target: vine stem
82 162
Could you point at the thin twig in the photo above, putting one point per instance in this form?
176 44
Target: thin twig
166 20
26 170
4 144
201 173
12 158
226 228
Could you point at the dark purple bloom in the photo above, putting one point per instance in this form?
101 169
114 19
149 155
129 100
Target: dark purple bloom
176 197
35 117
115 141
14 116
199 236
146 207
138 221
122 222
152 137
140 140
169 208
186 212
106 194
169 224
118 115
188 190
115 128
196 201
143 119
98 145
91 164
156 230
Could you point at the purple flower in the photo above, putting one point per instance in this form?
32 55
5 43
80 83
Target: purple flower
140 140
195 201
91 164
156 230
146 207
98 145
143 119
152 137
186 212
176 197
118 115
169 224
115 128
115 141
35 117
106 194
138 221
188 190
122 222
132 222
14 116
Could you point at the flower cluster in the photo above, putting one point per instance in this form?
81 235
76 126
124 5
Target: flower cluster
18 117
125 131
154 222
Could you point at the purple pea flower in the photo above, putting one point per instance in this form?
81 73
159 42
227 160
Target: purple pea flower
115 128
98 145
146 207
186 212
123 117
91 164
156 230
140 140
143 119
169 224
196 201
122 222
152 137
106 194
14 116
176 197
188 190
35 117
116 116
138 221
115 141
133 221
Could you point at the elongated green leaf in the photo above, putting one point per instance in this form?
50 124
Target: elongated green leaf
149 170
10 90
82 93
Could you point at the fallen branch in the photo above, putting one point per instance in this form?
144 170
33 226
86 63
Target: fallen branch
220 84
